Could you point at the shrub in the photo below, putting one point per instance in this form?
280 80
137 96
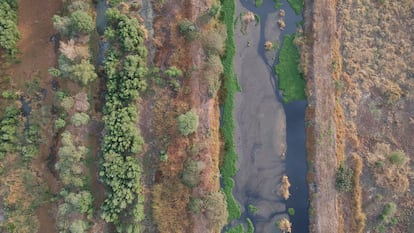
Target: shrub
191 173
397 158
188 122
173 71
285 225
79 119
67 103
189 29
78 226
390 209
54 72
9 34
214 41
83 72
215 209
195 205
81 22
60 123
11 95
344 178
291 211
61 24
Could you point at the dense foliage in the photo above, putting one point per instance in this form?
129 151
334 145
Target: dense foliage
126 77
9 34
188 123
8 131
290 78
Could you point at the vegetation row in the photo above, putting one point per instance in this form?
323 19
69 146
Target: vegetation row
9 33
75 209
126 73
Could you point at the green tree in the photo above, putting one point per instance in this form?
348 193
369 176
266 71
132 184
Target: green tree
61 24
67 103
81 22
83 72
78 226
79 119
9 34
188 122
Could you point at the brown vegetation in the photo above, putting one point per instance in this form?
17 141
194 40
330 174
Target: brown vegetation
284 188
285 226
197 91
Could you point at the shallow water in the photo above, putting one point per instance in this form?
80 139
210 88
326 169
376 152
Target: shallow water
266 128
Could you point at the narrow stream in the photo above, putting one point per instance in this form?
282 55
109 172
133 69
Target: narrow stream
267 129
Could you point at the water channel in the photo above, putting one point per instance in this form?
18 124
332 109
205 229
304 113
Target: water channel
270 135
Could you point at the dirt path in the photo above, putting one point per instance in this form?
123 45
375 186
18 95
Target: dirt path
36 56
325 203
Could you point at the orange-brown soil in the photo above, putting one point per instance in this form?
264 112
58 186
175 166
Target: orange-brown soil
160 113
36 56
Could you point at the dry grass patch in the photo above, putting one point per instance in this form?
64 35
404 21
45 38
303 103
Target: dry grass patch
391 168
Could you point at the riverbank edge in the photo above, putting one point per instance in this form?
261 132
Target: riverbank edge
228 169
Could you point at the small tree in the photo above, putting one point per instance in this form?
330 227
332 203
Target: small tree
79 119
188 122
81 22
67 103
189 29
83 72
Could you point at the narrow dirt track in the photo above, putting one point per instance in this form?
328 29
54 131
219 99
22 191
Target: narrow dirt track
325 203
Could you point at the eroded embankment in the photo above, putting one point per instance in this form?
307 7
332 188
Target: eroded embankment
320 27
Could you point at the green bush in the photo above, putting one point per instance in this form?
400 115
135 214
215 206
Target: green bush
67 103
188 122
79 119
78 226
62 25
9 34
397 158
60 123
344 178
173 71
291 211
54 72
390 209
188 29
83 73
82 22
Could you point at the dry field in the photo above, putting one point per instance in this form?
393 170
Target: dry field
371 76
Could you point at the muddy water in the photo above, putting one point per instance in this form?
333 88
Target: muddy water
266 129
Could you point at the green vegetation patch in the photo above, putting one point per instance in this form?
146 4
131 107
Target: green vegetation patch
297 5
258 3
228 170
290 79
9 34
